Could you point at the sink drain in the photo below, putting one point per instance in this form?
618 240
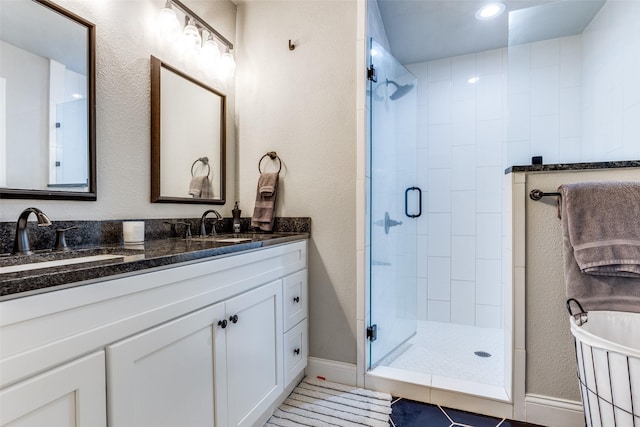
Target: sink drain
482 354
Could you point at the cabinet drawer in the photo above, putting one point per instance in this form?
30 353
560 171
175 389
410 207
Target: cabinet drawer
296 348
295 298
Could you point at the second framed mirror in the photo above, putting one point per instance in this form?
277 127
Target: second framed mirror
188 138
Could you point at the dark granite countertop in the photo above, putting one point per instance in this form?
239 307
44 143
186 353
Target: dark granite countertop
133 259
574 166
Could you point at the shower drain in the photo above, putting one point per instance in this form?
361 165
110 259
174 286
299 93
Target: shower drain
482 354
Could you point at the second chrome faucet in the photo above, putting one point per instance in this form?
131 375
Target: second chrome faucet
203 228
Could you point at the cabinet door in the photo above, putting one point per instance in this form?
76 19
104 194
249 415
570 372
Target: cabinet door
70 395
165 376
253 355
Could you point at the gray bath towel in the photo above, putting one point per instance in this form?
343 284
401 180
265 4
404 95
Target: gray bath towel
265 208
601 244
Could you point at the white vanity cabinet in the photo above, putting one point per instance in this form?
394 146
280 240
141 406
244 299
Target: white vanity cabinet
202 343
219 363
165 376
249 366
70 395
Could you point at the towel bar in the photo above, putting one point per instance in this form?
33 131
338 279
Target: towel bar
204 160
536 194
273 156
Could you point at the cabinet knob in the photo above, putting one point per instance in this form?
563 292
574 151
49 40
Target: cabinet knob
296 299
234 318
296 351
222 323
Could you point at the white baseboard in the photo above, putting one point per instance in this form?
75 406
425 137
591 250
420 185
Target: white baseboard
330 370
553 412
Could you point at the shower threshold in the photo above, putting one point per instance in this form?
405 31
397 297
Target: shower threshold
439 382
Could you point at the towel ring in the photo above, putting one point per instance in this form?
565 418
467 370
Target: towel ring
204 160
273 156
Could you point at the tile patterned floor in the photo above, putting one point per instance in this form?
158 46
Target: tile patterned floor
408 413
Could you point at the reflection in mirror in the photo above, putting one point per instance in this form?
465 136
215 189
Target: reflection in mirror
187 138
47 98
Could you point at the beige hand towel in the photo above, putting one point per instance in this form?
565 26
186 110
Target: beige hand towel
200 187
264 211
601 233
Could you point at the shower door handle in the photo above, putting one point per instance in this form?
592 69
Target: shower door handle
406 202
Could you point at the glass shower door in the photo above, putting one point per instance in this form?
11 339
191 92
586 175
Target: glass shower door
394 204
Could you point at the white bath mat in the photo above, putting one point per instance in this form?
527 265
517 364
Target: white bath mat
316 402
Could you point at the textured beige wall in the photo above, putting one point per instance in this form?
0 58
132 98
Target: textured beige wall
302 104
126 37
551 369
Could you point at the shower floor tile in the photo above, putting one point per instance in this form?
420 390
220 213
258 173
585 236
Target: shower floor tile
409 413
447 350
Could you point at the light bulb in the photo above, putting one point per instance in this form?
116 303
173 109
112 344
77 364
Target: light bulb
227 64
168 25
192 39
210 54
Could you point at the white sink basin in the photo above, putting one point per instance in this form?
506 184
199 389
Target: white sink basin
232 240
57 263
222 239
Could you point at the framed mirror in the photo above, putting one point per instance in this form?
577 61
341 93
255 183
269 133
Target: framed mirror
47 102
188 138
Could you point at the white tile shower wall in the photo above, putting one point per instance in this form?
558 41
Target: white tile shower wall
544 88
544 102
611 107
563 96
462 134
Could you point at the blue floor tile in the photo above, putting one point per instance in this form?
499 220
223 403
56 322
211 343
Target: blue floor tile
475 420
511 423
408 413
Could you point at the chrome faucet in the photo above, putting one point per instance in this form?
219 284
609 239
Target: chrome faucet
203 229
21 242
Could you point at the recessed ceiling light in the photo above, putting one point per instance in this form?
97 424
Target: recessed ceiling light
490 10
474 79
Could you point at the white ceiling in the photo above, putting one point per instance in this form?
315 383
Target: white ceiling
424 30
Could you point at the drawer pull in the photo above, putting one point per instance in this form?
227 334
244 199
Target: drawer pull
296 299
222 323
234 318
296 351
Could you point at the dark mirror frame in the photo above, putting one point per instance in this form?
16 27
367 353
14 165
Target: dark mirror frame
91 193
156 138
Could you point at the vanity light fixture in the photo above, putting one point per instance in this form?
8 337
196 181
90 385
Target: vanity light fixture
209 51
490 10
